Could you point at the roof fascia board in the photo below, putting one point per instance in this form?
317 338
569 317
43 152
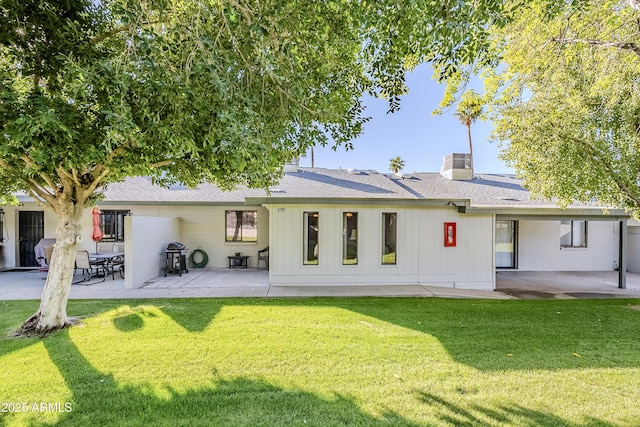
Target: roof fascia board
171 203
355 201
554 214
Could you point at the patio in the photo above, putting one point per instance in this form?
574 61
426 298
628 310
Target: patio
222 282
565 284
28 284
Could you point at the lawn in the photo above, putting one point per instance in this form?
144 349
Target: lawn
326 362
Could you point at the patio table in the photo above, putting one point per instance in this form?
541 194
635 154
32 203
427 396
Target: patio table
106 257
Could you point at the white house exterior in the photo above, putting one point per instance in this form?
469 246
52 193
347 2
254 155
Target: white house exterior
339 227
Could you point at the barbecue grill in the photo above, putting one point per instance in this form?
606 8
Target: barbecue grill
175 258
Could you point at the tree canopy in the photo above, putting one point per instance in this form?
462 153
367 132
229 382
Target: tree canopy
568 107
220 91
396 164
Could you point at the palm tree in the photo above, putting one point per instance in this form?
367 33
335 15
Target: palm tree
468 111
396 164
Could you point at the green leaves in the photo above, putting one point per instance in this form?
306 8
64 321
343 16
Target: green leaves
568 109
224 92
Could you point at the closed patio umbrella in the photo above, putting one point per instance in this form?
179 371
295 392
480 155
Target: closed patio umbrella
96 234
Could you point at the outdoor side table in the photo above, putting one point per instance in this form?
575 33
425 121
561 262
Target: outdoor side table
238 261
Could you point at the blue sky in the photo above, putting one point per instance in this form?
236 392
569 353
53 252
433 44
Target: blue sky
412 133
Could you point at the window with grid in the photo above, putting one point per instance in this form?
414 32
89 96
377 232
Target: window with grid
112 225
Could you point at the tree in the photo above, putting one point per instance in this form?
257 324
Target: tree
469 109
396 164
198 91
568 114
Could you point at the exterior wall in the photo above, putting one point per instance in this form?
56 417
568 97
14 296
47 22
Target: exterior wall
204 227
633 248
9 252
144 246
470 265
539 247
198 227
421 255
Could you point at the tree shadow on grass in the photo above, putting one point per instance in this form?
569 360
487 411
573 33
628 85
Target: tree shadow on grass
195 316
516 335
476 415
485 334
98 399
14 313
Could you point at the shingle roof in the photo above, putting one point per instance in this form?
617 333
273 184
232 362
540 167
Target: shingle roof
306 183
482 190
485 190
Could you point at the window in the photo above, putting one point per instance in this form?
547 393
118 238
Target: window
349 238
311 248
506 243
389 238
241 226
573 234
112 225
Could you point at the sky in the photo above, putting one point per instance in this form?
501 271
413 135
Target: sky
414 134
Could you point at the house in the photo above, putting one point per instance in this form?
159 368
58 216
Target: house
350 227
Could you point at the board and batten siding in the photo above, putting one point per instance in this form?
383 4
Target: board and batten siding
539 247
421 255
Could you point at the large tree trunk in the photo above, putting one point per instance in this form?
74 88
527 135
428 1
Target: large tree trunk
52 314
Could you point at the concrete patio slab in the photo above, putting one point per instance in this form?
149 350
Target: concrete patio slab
566 284
28 285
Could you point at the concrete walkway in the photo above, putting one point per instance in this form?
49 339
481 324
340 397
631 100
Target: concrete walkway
26 285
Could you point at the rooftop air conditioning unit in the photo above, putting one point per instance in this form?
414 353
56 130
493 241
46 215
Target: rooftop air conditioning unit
292 166
457 166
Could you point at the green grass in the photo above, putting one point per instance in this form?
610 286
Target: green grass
327 362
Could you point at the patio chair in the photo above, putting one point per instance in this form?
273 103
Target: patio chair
88 267
263 255
117 263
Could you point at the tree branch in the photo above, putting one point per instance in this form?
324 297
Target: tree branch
61 172
67 183
157 165
45 177
40 194
6 165
246 12
120 29
620 45
34 189
624 188
74 176
94 184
